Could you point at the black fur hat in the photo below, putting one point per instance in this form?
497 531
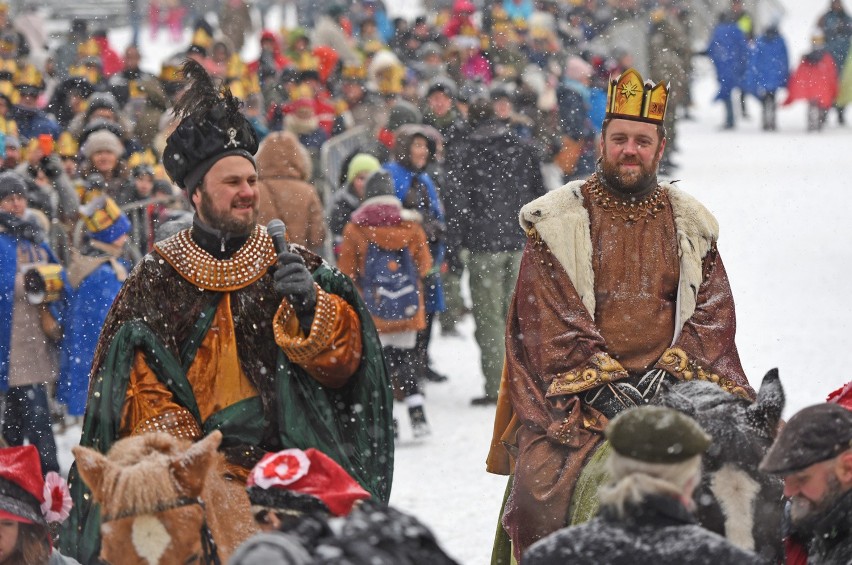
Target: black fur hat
211 128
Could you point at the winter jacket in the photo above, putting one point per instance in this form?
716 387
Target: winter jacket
284 166
837 27
659 530
491 174
768 65
383 221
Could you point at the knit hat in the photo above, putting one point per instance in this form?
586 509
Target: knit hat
104 219
360 163
26 497
442 84
379 183
100 100
656 434
102 140
12 183
816 433
212 127
302 481
402 113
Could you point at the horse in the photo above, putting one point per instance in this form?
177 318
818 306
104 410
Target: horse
169 497
734 499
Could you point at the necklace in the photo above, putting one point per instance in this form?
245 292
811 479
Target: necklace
627 210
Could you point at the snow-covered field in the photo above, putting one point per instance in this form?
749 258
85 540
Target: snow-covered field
783 208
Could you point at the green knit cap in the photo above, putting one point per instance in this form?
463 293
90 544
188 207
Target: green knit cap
655 434
360 163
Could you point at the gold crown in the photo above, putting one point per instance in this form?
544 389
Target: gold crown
66 145
629 98
88 48
200 38
146 157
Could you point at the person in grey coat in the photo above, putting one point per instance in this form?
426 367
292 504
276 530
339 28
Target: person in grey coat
646 514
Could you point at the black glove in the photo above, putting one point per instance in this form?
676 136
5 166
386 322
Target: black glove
612 398
51 165
294 282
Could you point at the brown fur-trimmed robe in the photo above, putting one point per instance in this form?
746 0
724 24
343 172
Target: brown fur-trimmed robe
566 314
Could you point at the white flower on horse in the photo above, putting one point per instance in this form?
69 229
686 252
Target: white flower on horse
281 469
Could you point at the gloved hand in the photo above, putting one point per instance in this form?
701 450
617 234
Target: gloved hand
651 382
612 398
51 165
294 282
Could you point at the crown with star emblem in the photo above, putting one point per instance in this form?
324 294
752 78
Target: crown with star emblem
631 98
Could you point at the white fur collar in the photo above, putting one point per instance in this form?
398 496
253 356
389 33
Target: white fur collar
562 222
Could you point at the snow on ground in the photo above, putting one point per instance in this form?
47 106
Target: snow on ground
783 210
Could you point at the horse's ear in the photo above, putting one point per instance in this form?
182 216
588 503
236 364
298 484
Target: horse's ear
91 465
765 413
190 469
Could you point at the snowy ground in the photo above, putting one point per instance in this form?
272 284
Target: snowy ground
783 210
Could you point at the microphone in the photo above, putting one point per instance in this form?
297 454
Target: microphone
277 231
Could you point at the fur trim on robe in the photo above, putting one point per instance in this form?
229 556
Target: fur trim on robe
562 222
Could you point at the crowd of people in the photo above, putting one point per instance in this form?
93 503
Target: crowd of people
140 290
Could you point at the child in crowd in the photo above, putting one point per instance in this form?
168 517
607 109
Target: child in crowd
384 251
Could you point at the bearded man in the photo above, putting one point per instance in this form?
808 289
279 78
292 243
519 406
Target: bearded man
222 328
620 287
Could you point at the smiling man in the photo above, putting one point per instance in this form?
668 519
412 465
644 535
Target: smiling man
217 328
620 286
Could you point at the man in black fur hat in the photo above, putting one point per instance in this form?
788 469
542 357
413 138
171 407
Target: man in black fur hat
220 328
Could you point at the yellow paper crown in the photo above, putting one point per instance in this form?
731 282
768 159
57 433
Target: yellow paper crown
629 98
29 76
88 48
142 158
200 38
100 213
66 145
8 69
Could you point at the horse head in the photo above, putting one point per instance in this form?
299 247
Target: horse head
149 489
735 499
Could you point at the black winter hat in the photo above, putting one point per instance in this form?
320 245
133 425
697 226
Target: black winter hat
100 100
656 434
12 183
379 183
402 113
212 127
815 434
442 84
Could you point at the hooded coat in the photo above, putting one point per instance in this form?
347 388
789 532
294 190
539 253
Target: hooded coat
284 166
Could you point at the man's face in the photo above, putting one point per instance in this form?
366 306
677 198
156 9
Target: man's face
440 103
14 204
228 198
812 491
631 151
131 58
13 157
502 108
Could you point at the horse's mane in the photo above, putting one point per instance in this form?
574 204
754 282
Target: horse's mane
140 478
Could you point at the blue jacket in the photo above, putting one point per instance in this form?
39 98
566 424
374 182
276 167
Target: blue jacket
87 309
8 269
768 65
728 50
402 180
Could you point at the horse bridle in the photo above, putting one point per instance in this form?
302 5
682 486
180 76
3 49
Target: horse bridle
209 553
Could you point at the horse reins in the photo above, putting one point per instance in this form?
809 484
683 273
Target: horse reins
209 552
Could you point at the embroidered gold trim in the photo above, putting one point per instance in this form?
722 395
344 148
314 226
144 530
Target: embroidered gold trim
602 369
200 268
178 423
624 209
677 362
301 350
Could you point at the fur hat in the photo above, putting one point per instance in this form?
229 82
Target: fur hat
212 127
303 481
12 183
102 140
360 163
656 434
379 183
817 433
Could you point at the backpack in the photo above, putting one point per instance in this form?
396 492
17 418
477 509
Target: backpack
389 283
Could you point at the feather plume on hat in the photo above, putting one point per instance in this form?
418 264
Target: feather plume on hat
211 127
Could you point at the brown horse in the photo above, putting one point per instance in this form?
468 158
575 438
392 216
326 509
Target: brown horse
166 500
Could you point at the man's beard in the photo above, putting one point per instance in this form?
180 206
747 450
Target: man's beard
222 221
805 514
629 182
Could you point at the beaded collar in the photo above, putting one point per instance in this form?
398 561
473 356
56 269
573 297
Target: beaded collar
627 210
203 270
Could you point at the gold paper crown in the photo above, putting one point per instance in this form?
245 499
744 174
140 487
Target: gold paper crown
100 213
200 38
629 98
66 145
88 48
146 157
29 76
